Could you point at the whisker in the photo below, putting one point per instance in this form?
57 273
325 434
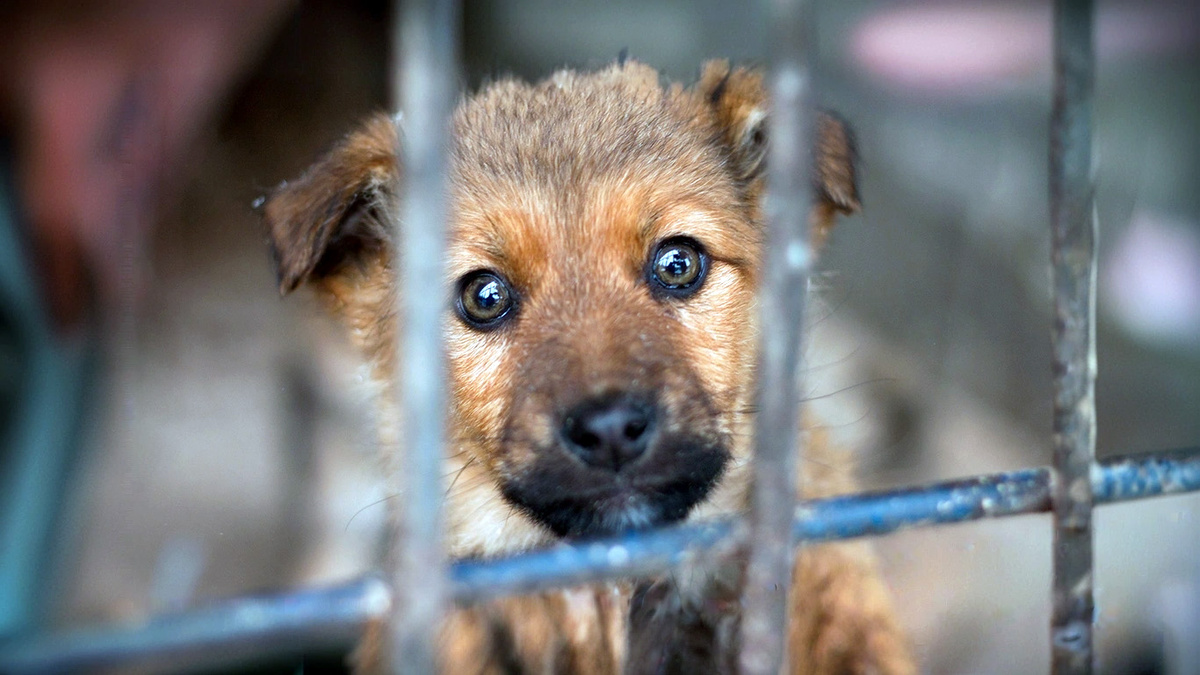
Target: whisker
458 475
374 503
833 362
847 388
830 309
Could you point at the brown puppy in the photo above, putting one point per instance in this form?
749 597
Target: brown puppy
604 249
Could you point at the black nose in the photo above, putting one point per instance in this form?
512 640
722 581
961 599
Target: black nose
609 433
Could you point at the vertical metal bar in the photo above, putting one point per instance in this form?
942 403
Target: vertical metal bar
786 261
1073 225
425 78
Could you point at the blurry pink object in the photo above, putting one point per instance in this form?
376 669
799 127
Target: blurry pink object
106 98
968 48
1151 280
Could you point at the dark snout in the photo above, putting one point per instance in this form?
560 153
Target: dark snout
610 433
618 461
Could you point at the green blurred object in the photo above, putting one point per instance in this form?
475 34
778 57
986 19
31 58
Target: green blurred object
43 381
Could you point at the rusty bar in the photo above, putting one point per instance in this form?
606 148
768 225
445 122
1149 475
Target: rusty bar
268 626
1073 254
786 261
424 50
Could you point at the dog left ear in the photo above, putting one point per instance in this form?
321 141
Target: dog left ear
338 210
737 99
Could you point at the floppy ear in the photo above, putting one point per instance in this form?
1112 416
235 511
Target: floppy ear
337 213
737 100
835 174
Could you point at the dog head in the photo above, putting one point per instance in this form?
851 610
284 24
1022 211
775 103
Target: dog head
605 237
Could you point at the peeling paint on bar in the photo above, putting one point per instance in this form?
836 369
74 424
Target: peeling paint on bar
1073 257
289 623
566 565
786 258
1139 476
424 42
1025 491
833 519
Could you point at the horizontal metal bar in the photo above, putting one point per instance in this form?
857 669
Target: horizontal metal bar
256 628
820 520
631 555
1129 477
957 501
221 635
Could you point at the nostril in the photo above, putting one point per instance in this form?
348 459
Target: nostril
576 432
580 435
634 429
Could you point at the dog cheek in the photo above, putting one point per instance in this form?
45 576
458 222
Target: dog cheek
518 417
718 332
481 371
531 430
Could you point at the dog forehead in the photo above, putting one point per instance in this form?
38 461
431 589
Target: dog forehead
573 127
606 162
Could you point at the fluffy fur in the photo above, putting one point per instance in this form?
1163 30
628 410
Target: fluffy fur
564 188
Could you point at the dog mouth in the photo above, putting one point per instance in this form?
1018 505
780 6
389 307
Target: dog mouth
575 501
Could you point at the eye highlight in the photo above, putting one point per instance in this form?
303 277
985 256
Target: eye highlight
677 267
485 299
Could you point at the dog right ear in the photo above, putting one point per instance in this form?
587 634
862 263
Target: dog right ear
737 99
339 211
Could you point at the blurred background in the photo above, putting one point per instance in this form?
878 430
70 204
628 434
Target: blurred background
184 434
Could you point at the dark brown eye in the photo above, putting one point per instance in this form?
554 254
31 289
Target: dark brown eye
678 266
484 299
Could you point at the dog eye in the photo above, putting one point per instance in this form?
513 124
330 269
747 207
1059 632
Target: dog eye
678 266
484 299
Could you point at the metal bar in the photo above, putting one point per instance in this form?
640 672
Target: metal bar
286 623
786 259
821 520
227 634
1139 476
424 40
1073 227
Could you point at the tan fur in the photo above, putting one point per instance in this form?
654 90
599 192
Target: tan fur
565 187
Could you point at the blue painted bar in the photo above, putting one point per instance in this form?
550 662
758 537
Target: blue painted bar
246 629
633 554
1146 475
836 518
225 634
957 501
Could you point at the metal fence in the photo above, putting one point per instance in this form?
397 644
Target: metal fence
422 584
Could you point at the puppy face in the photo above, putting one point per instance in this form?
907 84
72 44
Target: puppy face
602 265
